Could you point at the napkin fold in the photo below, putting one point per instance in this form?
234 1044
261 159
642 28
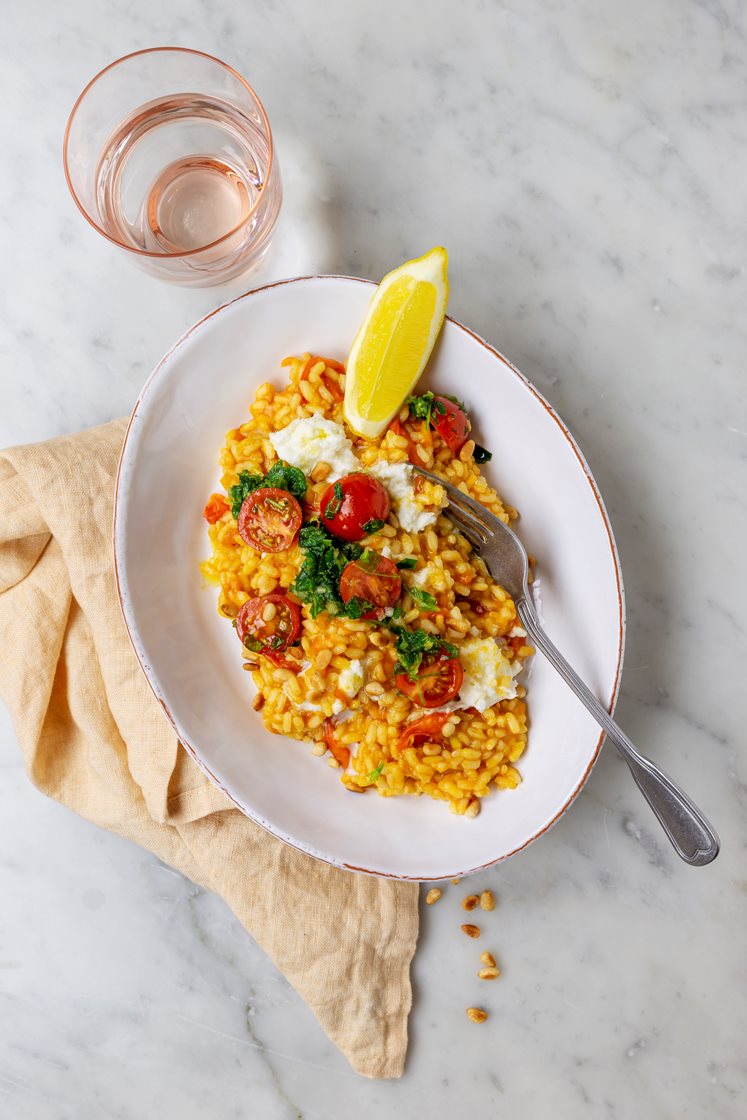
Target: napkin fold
93 737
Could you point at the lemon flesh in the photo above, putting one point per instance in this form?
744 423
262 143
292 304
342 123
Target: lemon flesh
394 342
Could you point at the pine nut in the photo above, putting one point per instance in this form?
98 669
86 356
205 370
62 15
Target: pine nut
487 901
487 959
258 701
471 931
476 1014
323 659
488 974
433 896
269 611
470 902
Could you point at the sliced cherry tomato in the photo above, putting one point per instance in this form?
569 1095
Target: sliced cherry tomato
372 577
269 519
349 506
427 729
452 425
215 508
270 636
337 750
438 681
282 661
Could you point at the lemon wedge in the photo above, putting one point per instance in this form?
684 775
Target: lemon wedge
394 342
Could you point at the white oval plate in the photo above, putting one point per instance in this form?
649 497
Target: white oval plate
169 467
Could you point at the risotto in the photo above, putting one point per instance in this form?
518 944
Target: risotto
369 626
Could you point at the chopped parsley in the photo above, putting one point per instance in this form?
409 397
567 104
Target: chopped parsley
424 406
373 526
481 454
281 476
407 562
422 599
334 507
356 607
237 494
372 777
285 477
318 581
413 645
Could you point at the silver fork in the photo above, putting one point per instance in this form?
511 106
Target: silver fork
505 556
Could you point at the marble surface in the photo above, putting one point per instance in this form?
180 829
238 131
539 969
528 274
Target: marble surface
585 165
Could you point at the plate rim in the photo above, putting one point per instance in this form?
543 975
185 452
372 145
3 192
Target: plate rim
192 751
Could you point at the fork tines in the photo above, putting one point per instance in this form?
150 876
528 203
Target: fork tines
472 518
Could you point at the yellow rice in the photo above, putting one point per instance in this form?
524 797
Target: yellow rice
481 751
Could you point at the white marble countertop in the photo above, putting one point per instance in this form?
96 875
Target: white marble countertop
585 164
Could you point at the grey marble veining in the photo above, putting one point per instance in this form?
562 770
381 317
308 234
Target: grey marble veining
585 165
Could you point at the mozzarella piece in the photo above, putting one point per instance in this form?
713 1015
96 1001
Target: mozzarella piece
350 680
489 676
313 439
398 479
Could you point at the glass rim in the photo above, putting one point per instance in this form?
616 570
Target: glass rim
147 252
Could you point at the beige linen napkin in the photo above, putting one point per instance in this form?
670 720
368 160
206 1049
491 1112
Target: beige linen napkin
94 738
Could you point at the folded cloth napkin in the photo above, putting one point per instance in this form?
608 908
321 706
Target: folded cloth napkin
94 738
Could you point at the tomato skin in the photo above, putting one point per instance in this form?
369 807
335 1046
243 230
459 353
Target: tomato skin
215 507
438 682
282 661
363 499
269 519
427 729
376 580
337 750
277 634
452 425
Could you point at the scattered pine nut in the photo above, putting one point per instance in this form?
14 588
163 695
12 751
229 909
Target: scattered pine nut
258 701
471 931
470 902
456 882
488 959
487 902
476 1014
489 973
433 896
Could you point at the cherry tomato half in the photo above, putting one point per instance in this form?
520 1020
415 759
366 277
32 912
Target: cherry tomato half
350 504
269 519
215 508
337 750
438 681
372 577
452 425
427 729
270 636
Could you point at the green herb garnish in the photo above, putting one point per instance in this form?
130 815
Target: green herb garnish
335 505
356 607
422 599
281 476
373 526
285 477
413 645
252 643
372 777
318 581
237 494
423 406
481 454
407 562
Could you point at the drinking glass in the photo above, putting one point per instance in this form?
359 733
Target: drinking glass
168 153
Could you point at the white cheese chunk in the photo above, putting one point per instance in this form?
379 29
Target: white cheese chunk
489 676
398 479
350 680
311 440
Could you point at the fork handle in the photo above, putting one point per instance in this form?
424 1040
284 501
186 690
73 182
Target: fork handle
688 830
